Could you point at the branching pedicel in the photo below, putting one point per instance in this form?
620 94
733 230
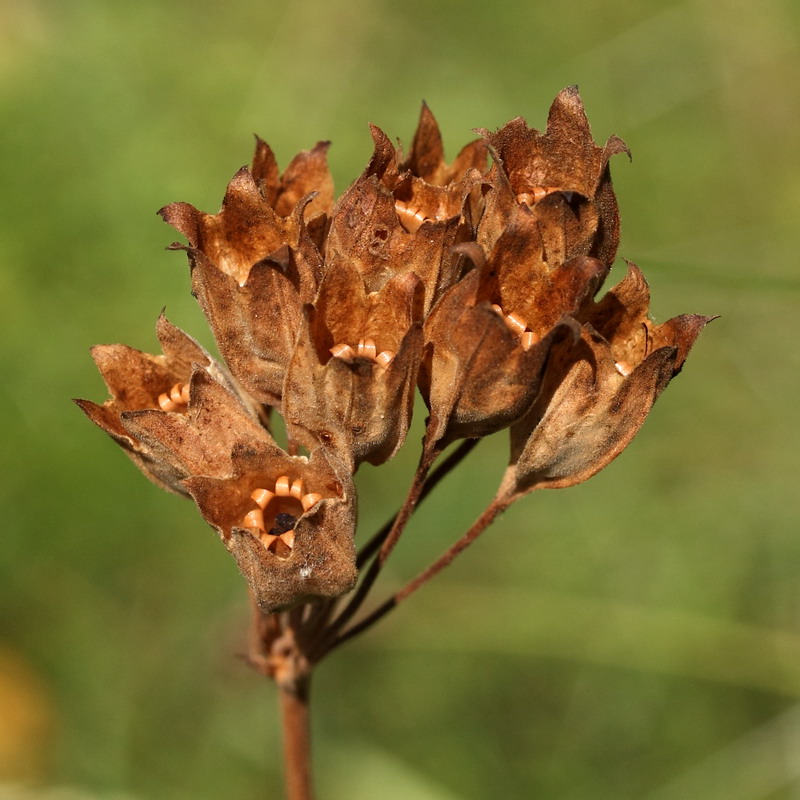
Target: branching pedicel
474 282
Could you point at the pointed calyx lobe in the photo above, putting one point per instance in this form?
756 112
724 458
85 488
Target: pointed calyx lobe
561 178
598 390
307 174
254 264
167 393
426 157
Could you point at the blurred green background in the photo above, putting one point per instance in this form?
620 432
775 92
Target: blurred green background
635 637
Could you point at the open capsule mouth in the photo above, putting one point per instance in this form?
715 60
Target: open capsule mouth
411 217
411 214
366 348
538 193
277 512
518 326
176 399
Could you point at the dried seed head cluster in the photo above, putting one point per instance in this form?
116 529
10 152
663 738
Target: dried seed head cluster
474 282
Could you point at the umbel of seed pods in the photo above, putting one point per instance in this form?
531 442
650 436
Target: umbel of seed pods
473 282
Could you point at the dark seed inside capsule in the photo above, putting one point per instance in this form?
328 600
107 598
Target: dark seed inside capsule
283 522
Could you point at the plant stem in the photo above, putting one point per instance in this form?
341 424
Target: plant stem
490 513
276 651
297 739
429 455
387 545
452 461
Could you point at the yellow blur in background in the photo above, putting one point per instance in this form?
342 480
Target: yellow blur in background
27 721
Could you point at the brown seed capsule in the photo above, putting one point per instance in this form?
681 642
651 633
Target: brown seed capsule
350 392
252 269
392 222
479 376
167 447
560 177
294 545
485 361
594 399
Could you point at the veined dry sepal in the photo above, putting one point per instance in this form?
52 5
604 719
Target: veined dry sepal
306 174
252 270
480 374
350 383
560 177
138 381
564 156
254 324
303 497
598 391
247 230
388 223
200 439
621 316
425 159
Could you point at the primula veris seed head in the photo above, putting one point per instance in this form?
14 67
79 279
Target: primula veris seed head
475 281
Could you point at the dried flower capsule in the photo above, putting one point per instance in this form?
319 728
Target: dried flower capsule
350 383
561 178
489 337
308 500
137 383
591 406
390 222
254 265
480 374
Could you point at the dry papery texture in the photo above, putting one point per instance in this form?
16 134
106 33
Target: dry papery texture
475 281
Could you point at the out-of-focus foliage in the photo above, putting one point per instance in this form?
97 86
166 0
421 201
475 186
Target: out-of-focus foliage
634 637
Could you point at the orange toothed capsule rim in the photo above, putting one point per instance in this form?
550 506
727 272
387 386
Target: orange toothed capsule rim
277 512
